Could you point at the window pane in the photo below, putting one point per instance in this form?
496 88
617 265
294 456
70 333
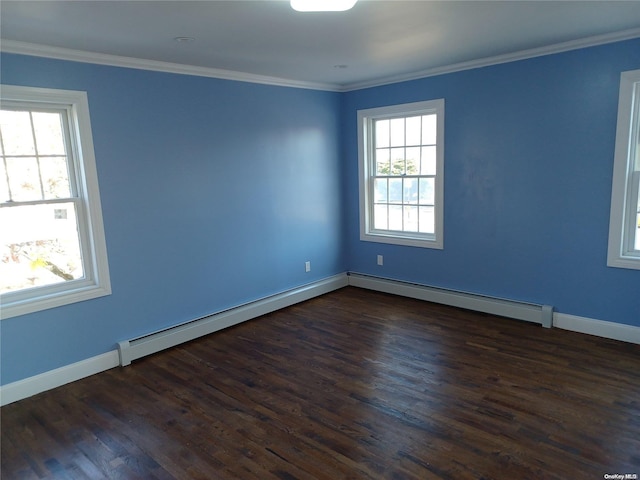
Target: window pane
413 127
397 161
427 191
410 219
410 190
24 178
634 178
4 186
395 217
428 161
48 130
636 122
429 129
382 161
413 160
39 246
427 219
637 217
17 136
395 190
380 217
397 132
55 177
380 189
382 133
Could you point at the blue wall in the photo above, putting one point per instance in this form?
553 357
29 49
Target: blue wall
529 151
214 193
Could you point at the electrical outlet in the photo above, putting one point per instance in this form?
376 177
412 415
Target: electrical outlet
307 266
380 260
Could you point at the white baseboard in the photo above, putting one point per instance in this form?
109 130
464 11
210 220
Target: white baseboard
12 392
496 306
153 342
28 387
599 328
529 312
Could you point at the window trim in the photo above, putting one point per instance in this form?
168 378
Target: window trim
621 253
96 282
365 146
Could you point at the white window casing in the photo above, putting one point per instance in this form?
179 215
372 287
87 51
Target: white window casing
624 223
401 174
83 201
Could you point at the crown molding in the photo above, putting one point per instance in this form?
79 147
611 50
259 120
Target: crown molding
499 59
47 51
25 48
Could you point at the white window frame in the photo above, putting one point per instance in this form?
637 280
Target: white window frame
366 160
96 281
626 179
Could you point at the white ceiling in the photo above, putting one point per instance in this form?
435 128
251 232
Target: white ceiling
378 41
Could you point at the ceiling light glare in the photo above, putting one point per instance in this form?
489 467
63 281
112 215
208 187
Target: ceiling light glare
184 39
322 5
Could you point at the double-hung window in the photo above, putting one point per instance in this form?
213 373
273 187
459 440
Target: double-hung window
52 245
624 227
401 160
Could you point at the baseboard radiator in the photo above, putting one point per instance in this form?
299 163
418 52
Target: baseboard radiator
139 347
133 349
530 312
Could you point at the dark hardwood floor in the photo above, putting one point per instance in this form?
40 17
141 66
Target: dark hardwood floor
351 385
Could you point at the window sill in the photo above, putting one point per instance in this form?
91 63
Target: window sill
624 262
408 241
17 307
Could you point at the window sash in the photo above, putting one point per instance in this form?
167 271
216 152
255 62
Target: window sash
632 217
84 246
70 152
